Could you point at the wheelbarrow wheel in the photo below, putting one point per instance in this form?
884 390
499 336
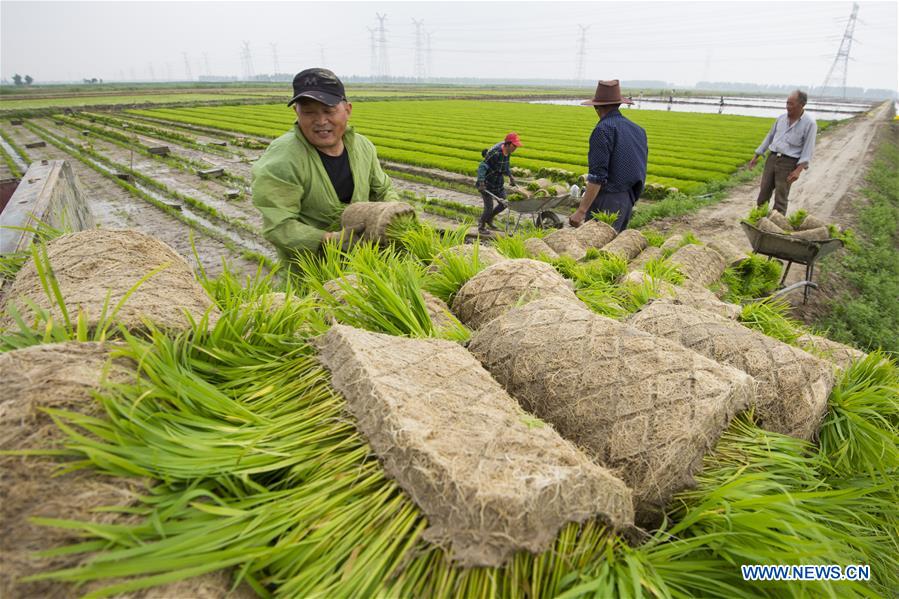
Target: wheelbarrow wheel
548 220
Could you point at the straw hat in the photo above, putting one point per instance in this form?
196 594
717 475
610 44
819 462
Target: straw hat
607 92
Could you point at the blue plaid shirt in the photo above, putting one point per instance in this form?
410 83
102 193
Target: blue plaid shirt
493 167
618 155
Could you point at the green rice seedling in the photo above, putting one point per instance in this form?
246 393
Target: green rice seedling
607 268
662 270
758 212
653 237
771 316
604 298
330 523
592 254
386 297
796 218
752 278
690 239
762 495
861 430
423 240
41 232
608 218
512 246
450 272
45 328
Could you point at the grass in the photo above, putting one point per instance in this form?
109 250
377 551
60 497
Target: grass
866 315
750 279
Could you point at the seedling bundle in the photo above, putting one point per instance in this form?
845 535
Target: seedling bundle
338 441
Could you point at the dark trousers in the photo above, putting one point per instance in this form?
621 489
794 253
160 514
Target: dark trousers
489 210
774 180
618 201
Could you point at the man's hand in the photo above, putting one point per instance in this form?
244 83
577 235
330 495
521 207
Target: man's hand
481 186
577 219
794 175
344 237
754 161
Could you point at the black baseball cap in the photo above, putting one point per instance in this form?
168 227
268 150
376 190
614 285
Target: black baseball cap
321 85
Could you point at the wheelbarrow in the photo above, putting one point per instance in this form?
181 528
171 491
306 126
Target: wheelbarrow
791 249
538 209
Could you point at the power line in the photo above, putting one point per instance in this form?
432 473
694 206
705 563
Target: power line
373 67
187 67
274 47
840 67
246 61
383 61
430 63
419 71
581 53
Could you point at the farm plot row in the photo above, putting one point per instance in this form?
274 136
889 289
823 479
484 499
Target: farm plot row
686 150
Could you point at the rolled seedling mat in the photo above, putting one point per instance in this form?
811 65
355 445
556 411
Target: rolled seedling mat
780 220
841 356
61 376
638 277
337 288
566 243
487 255
373 218
536 247
673 242
811 222
595 234
441 315
793 385
100 267
650 253
628 244
700 298
731 253
765 224
489 479
819 234
500 287
647 408
700 264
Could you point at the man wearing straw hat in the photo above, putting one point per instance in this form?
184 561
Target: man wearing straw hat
616 160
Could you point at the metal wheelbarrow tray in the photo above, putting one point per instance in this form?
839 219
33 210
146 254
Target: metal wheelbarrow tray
541 209
791 249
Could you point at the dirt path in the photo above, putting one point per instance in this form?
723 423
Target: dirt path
840 160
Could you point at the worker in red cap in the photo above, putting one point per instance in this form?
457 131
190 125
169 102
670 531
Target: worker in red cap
490 178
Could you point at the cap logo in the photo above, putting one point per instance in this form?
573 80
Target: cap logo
310 80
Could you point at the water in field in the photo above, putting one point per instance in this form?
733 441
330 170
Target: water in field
763 107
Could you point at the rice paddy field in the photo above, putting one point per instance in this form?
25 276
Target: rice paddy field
688 151
216 452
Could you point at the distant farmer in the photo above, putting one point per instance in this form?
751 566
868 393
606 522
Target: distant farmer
791 142
308 175
616 160
490 178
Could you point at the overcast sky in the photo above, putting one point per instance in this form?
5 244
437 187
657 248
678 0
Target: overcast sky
680 42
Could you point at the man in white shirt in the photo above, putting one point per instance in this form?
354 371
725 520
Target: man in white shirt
791 142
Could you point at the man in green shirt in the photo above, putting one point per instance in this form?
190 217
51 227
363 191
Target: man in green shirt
306 177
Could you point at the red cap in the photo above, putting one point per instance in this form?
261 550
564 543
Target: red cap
513 139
